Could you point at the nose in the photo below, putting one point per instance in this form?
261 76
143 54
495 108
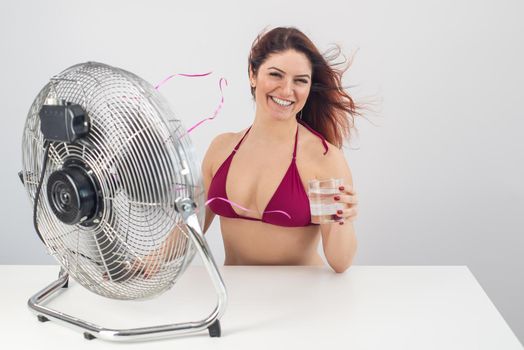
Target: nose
287 88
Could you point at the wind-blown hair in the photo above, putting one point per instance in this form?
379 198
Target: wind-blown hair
329 109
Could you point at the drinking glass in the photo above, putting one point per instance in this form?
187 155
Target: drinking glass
321 195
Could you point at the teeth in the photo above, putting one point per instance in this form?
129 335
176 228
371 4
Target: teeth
283 103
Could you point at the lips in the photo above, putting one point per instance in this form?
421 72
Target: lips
272 98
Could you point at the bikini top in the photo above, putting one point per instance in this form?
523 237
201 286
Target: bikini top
290 196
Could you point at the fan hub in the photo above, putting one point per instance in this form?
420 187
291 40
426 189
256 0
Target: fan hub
72 194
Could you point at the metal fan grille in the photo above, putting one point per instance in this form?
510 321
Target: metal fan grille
139 154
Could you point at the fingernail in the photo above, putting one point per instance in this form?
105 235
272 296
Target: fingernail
341 223
339 211
341 188
337 198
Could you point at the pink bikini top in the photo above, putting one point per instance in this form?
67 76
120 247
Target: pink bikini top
290 196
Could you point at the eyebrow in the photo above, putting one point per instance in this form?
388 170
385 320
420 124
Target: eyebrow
300 75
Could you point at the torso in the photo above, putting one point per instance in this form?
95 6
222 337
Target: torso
255 173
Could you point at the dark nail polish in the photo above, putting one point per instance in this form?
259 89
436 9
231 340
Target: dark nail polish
341 223
337 198
341 188
339 211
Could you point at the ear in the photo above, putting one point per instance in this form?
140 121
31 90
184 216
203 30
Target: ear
252 77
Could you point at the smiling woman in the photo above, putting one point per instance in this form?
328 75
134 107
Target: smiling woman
256 179
302 116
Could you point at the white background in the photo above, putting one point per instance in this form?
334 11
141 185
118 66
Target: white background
439 176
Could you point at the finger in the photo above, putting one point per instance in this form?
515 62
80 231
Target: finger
336 217
347 189
350 199
346 213
339 219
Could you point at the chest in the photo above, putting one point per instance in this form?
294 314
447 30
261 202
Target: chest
254 177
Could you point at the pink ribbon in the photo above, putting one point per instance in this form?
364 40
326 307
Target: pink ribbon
181 74
215 113
241 207
236 205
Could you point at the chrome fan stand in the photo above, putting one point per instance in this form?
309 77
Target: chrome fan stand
186 207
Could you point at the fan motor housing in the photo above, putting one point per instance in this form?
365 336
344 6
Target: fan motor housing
73 194
63 123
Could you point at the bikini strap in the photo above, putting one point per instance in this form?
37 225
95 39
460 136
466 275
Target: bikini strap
295 150
316 133
242 139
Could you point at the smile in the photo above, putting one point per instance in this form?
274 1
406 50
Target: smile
281 102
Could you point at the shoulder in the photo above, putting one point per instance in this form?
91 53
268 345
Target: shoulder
315 148
222 139
329 165
220 146
334 164
227 140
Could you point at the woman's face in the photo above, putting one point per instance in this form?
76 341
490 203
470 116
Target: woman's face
282 84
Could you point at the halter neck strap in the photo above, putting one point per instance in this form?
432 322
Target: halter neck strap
242 139
316 133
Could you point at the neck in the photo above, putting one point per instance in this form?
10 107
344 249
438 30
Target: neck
274 131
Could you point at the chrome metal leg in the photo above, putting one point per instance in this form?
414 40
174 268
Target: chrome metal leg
211 323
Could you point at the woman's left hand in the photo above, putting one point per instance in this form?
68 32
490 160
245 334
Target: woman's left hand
349 198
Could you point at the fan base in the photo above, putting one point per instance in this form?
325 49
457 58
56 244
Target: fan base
89 336
91 331
214 329
42 318
45 314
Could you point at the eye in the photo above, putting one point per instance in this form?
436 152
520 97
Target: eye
275 74
303 81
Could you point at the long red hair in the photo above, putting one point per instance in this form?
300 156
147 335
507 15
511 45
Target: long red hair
329 109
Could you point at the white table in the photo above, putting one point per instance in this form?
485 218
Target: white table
283 307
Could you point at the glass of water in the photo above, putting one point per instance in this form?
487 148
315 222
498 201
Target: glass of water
321 195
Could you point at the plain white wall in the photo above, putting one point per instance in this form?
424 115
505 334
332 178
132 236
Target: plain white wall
440 177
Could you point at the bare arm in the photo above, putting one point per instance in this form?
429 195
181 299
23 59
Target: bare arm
338 241
207 175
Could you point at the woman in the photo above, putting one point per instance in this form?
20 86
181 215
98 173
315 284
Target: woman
300 121
295 91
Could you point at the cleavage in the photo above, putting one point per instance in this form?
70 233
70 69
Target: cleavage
254 188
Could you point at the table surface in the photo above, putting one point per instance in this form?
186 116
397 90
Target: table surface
276 307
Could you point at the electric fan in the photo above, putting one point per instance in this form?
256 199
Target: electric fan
116 194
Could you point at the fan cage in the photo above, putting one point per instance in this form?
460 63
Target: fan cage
142 160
